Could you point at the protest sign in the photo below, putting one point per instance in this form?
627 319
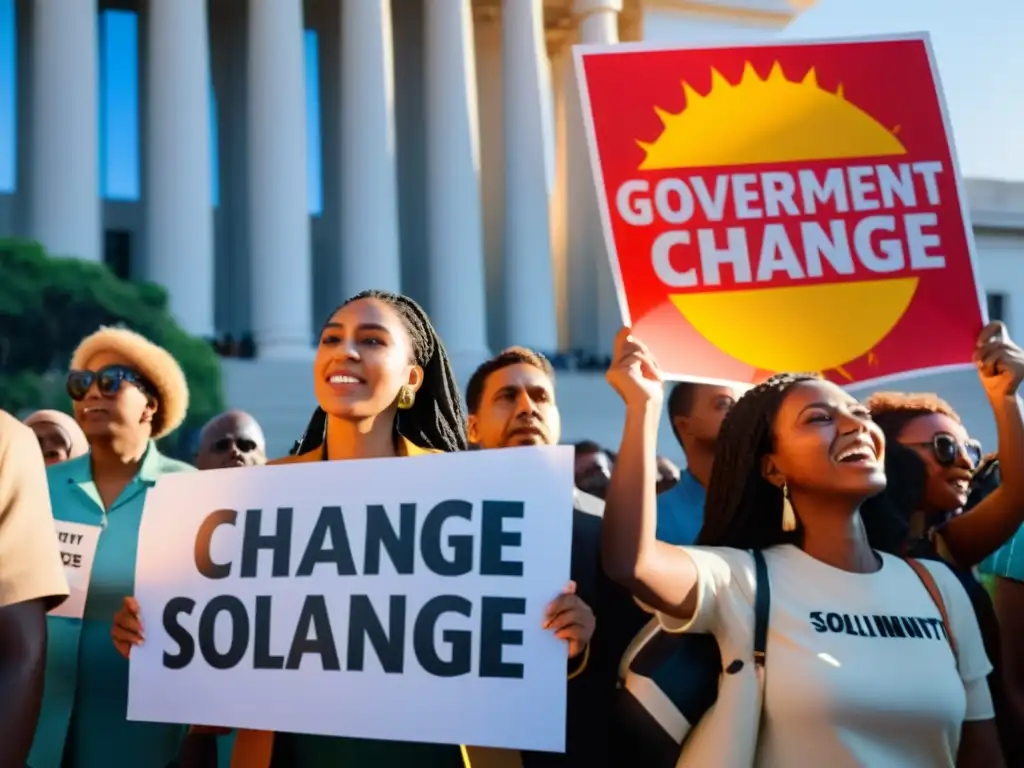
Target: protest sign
77 544
783 207
396 599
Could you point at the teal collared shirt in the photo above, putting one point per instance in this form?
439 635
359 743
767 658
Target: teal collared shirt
85 698
1008 561
681 511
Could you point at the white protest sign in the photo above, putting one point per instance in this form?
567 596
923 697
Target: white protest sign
78 544
396 599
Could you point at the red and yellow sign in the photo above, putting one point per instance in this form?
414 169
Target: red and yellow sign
790 207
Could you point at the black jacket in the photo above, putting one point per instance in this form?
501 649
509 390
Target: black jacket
589 732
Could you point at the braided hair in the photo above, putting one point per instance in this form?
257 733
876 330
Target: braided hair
436 419
743 510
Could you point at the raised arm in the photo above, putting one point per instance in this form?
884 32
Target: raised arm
660 575
973 536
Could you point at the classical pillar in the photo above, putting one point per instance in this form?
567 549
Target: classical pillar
229 61
598 21
454 216
489 95
278 205
370 254
64 195
177 191
529 138
593 306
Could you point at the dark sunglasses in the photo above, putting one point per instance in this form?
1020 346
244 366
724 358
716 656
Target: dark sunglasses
108 380
224 445
947 449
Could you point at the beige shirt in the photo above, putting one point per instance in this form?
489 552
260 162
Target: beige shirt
30 566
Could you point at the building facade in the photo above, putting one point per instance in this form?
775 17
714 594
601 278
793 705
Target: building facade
451 161
453 165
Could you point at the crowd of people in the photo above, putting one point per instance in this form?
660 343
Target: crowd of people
872 523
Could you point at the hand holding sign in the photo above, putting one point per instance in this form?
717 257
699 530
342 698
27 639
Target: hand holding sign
127 629
634 372
1000 362
571 620
329 598
735 244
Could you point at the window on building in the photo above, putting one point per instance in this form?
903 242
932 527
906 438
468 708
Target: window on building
996 306
117 252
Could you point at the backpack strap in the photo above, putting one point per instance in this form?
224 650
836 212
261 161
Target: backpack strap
762 607
933 591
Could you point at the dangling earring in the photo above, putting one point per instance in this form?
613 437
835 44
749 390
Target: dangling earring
788 513
406 397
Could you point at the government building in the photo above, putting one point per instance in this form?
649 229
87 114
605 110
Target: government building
442 140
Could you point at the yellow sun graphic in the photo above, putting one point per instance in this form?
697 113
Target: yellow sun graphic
813 328
773 120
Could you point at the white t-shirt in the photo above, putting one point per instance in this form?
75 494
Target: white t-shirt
859 671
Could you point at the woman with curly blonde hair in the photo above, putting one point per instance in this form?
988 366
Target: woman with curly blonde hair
127 392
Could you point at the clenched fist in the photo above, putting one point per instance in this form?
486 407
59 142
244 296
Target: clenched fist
634 372
1000 362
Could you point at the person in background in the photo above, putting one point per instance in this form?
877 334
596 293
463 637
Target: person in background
937 460
593 467
511 402
668 474
127 393
695 412
60 437
231 439
1005 568
933 430
385 389
796 459
31 583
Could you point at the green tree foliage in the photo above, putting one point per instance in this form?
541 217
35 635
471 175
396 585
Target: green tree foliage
48 304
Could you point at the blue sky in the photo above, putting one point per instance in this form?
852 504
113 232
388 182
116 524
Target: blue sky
977 44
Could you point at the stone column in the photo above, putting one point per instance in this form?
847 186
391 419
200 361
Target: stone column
370 251
593 304
64 193
529 138
489 94
278 197
454 215
177 183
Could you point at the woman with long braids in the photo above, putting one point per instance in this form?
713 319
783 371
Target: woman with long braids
870 659
384 388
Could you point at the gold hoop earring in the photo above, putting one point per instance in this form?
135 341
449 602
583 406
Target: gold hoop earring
788 513
406 398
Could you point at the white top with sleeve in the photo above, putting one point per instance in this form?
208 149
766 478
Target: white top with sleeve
858 670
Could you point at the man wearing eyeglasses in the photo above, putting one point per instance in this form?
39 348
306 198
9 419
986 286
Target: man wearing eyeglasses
232 439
